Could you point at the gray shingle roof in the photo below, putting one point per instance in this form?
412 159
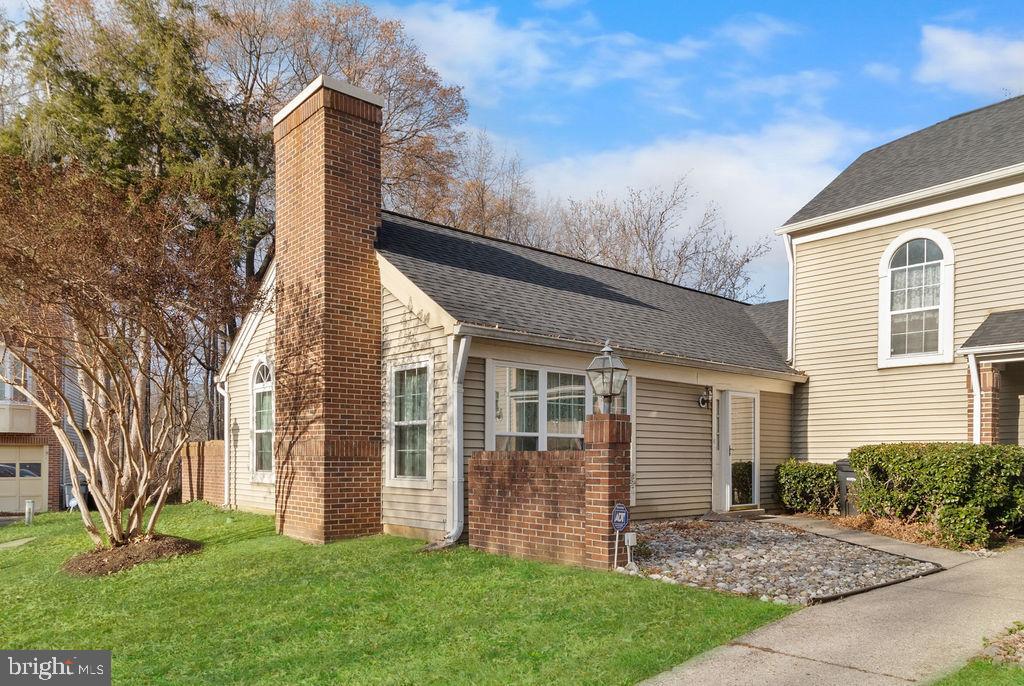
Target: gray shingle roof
773 319
493 283
999 328
971 143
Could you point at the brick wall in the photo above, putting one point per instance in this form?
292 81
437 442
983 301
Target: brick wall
528 504
202 472
328 318
553 506
989 378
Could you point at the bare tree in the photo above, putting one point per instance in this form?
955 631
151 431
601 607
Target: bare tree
13 87
647 233
107 295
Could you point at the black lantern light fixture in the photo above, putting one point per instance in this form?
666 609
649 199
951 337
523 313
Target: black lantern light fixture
607 374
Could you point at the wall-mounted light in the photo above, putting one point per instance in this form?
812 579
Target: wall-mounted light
704 400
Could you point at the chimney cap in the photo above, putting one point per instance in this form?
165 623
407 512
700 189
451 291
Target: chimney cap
334 84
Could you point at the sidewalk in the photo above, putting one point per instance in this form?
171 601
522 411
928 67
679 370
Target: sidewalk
911 632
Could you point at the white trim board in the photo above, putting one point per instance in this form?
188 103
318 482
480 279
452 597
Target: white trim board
913 196
916 213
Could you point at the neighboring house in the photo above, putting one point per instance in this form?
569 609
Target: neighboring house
33 466
907 286
388 349
412 345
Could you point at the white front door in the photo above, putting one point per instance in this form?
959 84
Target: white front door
737 469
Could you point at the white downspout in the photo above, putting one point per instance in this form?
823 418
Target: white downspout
222 389
791 305
972 361
459 357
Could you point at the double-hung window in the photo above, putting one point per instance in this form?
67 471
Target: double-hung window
916 300
540 408
410 424
14 370
263 419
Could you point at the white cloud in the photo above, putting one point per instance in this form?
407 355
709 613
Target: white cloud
805 87
557 4
886 73
758 180
987 64
755 33
473 48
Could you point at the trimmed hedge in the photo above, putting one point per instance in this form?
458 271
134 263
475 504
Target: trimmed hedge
807 486
968 491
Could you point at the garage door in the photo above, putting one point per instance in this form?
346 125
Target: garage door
22 477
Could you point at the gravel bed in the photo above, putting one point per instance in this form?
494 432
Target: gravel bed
773 562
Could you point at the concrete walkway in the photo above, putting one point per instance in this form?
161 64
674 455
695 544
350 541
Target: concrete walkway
911 632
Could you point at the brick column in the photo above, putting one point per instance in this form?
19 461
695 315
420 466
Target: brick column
607 444
328 306
988 376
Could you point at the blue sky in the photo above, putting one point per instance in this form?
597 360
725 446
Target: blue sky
759 104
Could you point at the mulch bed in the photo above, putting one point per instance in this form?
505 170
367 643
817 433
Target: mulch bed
104 561
918 532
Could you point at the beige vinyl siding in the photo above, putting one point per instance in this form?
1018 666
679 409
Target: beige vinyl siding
848 400
673 450
244 492
776 443
1011 391
404 338
474 388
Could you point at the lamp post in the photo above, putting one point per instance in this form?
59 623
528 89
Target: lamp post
607 374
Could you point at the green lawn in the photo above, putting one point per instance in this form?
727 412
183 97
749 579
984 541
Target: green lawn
985 672
254 607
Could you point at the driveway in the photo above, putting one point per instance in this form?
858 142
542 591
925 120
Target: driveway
912 632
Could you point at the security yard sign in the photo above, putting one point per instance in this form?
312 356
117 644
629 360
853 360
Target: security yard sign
620 517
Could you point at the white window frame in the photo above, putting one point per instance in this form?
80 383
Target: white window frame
390 476
944 355
256 475
7 394
490 438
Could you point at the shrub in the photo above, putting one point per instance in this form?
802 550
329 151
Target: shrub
953 485
742 482
807 486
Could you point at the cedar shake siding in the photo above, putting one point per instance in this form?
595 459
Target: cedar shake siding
848 400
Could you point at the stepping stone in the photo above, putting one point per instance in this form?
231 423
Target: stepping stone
16 543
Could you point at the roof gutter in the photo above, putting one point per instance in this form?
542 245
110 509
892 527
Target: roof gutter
221 387
903 199
458 354
495 333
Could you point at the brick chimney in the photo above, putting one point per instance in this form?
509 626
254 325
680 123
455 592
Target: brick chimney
327 341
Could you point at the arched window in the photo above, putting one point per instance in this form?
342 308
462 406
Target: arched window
916 300
263 418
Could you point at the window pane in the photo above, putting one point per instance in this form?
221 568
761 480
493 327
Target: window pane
931 320
30 469
916 251
516 406
264 418
914 298
915 276
264 451
900 258
915 322
899 323
566 403
262 375
411 450
932 274
933 253
899 344
931 341
899 301
7 470
915 343
565 444
899 279
515 443
411 395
